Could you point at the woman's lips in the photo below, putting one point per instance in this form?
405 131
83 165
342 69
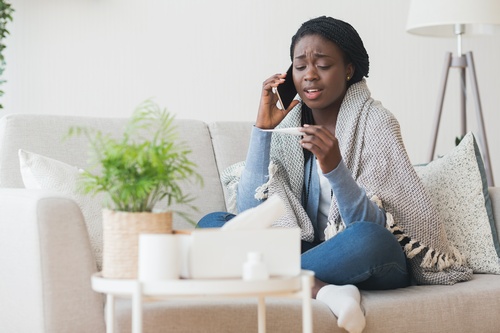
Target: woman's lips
312 93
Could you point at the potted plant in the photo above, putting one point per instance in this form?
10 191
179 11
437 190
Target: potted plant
6 11
135 172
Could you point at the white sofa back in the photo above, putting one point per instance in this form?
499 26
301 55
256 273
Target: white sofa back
45 135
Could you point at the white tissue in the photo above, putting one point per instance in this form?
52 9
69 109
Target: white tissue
260 217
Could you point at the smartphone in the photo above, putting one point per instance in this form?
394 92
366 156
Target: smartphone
286 91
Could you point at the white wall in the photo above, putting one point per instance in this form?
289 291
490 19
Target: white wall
207 59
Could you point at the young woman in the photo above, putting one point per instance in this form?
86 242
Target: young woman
347 182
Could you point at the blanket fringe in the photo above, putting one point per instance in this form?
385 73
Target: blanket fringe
411 248
261 192
332 229
229 180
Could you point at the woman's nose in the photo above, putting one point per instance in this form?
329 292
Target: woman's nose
311 74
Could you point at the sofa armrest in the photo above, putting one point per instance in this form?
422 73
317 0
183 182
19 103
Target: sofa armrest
45 265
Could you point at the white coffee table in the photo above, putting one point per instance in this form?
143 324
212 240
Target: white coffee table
296 286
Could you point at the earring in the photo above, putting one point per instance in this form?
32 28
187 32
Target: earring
348 77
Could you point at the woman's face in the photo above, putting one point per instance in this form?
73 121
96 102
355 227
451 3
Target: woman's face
320 73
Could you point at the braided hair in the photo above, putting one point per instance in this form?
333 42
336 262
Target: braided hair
344 36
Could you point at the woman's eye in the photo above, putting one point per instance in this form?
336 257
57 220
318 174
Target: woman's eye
299 68
324 66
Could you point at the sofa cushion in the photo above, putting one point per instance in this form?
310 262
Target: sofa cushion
230 141
464 307
458 188
45 135
40 172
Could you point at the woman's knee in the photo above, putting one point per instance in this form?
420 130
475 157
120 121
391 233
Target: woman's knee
214 220
372 232
364 251
377 239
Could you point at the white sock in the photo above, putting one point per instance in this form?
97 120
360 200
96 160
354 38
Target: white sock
345 303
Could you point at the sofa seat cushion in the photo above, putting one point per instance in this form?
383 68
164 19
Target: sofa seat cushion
466 307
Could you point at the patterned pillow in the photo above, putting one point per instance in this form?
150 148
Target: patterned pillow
458 188
40 172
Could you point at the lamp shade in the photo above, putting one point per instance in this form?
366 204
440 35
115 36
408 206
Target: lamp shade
439 17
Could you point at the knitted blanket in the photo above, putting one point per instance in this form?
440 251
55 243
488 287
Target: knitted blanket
372 149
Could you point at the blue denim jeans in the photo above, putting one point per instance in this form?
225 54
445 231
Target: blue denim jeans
364 254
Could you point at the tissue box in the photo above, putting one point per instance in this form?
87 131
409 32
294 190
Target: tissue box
215 253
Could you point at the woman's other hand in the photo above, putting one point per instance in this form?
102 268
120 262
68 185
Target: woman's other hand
269 115
323 144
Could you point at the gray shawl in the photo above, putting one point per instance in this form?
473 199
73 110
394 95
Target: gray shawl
371 144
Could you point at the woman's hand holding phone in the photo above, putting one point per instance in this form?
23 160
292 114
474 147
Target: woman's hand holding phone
270 115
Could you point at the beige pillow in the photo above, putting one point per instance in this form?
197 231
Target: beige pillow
40 172
457 186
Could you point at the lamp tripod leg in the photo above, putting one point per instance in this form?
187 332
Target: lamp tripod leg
463 101
480 122
439 109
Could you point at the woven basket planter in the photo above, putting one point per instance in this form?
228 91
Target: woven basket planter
121 239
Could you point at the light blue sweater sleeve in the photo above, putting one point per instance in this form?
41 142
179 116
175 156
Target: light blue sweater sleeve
353 203
256 171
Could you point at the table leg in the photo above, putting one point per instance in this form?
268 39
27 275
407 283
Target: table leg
262 314
307 324
110 313
137 309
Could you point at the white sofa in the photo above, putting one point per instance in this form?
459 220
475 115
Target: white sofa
46 259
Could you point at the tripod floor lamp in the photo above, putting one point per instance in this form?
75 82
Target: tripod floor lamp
454 18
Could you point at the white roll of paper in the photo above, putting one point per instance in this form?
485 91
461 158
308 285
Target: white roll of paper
184 242
158 257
